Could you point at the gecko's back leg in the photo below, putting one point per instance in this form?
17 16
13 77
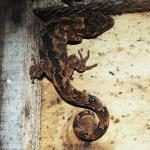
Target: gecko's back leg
39 68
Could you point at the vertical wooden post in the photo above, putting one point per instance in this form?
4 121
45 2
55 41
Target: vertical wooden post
20 99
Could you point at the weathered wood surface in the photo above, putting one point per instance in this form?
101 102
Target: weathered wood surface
48 10
130 4
121 80
19 99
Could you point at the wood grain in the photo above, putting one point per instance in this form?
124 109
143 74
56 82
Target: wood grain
19 99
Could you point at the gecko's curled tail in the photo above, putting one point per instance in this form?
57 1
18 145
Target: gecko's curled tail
85 124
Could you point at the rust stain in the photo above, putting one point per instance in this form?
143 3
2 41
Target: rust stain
148 126
141 87
55 101
113 94
120 49
115 120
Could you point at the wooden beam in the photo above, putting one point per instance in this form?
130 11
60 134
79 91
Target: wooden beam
112 7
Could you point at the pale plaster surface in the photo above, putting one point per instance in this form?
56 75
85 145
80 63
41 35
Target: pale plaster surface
121 80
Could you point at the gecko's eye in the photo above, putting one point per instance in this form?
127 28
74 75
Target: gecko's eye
92 99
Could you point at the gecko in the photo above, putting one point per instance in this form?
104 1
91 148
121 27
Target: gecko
58 66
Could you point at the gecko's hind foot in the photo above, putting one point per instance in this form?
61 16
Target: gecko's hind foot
35 69
40 68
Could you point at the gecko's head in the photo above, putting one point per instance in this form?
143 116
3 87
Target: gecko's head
96 24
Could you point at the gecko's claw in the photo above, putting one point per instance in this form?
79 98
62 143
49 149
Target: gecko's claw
90 67
87 57
81 56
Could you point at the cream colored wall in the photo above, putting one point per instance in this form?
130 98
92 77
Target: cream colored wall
121 80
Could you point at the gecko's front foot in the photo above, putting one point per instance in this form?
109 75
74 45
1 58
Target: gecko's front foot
81 66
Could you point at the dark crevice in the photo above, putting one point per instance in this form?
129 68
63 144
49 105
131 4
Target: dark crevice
2 38
13 10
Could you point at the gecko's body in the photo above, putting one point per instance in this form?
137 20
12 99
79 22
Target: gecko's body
59 67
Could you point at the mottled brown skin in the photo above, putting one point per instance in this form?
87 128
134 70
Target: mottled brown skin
59 67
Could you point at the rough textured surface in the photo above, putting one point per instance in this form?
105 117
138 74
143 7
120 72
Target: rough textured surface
112 7
121 80
19 99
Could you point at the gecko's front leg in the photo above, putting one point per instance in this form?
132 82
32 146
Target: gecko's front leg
78 64
81 64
